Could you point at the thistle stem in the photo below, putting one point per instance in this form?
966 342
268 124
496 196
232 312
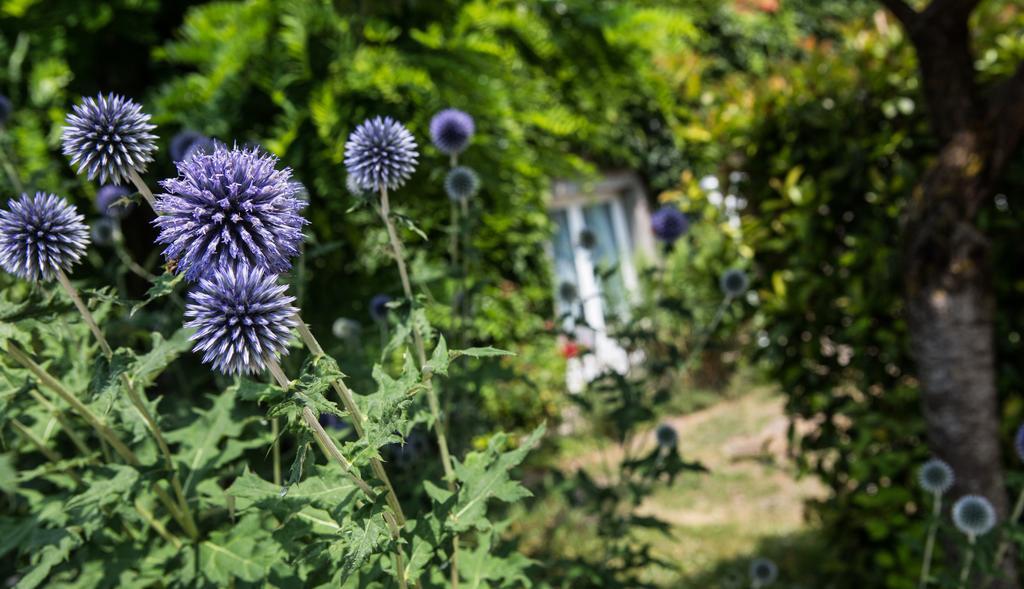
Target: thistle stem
1004 542
83 310
275 431
101 428
135 399
435 408
63 420
143 189
965 572
357 418
44 449
12 173
929 544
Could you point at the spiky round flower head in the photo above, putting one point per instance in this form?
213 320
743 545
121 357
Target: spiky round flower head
935 476
203 145
666 436
353 188
5 109
346 329
183 141
763 572
1018 442
107 196
39 235
734 282
567 292
669 224
461 183
379 307
451 129
974 515
109 136
104 232
229 207
587 239
380 153
242 318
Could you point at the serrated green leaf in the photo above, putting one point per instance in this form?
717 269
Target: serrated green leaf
485 476
162 286
244 552
160 355
439 360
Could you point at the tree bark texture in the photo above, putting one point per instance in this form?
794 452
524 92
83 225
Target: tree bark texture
950 298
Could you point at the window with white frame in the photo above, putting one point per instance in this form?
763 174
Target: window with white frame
602 230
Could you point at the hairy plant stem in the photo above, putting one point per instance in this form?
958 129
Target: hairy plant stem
331 452
12 172
143 189
348 401
929 544
1004 542
63 420
965 572
101 429
275 431
435 407
136 400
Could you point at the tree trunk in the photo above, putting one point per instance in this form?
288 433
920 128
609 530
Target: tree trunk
950 310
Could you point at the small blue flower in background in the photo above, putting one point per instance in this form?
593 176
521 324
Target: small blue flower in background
353 188
39 235
669 224
242 317
379 307
380 153
109 136
666 436
1018 442
109 194
347 329
230 207
104 231
734 282
451 130
461 183
183 142
6 108
974 515
763 572
936 476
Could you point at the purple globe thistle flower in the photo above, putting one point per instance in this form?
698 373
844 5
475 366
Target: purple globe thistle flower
763 572
380 153
669 224
379 307
1018 442
230 207
666 436
451 129
935 476
109 136
974 515
461 183
242 319
183 142
5 109
734 282
40 235
107 197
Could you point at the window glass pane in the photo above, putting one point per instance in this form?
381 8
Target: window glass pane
605 256
566 281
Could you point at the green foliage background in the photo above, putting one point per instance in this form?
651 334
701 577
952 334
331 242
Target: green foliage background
817 103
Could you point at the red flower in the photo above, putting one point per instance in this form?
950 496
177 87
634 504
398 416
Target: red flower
570 349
